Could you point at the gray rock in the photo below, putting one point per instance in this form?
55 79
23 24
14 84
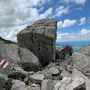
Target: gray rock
82 63
3 80
65 73
37 78
9 52
48 84
54 71
29 59
47 73
40 39
66 83
2 88
85 50
77 84
61 54
15 55
18 85
77 73
35 87
19 69
62 85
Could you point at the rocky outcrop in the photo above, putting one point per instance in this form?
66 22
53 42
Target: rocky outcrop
76 73
60 54
40 38
15 55
81 61
28 59
65 84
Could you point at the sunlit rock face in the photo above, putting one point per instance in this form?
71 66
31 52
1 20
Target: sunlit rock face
40 38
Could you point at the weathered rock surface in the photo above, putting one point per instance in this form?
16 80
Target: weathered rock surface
77 84
15 55
65 73
3 80
47 73
54 71
40 38
35 87
19 69
82 63
60 54
85 50
18 85
66 83
76 73
37 78
48 84
29 59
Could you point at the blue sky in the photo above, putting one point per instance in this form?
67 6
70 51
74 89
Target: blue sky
73 17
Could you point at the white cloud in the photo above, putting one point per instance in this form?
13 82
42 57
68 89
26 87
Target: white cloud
11 32
75 1
82 21
47 12
83 34
61 10
66 23
15 14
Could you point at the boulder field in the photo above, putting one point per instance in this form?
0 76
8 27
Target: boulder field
35 64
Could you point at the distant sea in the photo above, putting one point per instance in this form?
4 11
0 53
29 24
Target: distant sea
77 45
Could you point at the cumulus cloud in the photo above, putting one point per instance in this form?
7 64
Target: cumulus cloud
66 23
83 34
61 10
15 14
75 1
82 21
47 12
11 32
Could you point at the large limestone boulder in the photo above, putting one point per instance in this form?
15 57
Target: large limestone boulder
15 55
81 62
8 52
40 38
28 59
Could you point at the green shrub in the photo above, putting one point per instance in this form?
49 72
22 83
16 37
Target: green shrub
15 75
26 67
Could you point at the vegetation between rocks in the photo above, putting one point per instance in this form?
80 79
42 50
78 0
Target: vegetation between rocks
7 41
26 67
16 75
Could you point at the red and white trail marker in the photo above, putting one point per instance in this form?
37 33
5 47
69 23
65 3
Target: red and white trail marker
4 63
